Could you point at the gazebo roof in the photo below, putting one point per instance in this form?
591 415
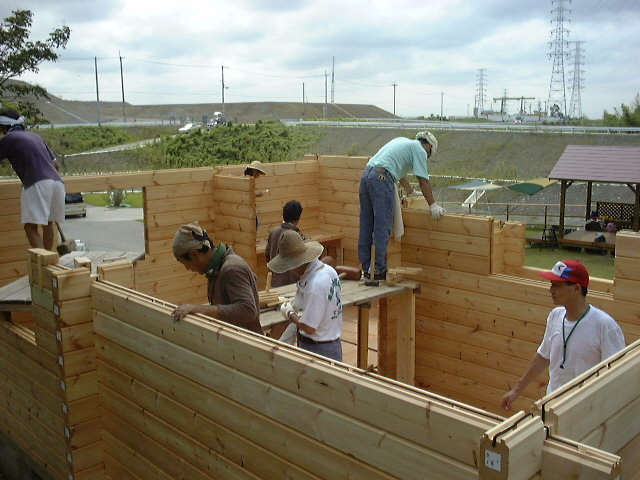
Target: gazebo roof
598 164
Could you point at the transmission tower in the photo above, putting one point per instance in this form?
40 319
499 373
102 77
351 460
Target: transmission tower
575 107
557 90
481 96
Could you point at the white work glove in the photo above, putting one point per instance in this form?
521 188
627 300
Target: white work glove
436 211
285 309
415 194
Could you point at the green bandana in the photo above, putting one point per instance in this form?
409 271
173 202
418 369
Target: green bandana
216 258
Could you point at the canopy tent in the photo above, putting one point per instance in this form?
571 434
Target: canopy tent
532 186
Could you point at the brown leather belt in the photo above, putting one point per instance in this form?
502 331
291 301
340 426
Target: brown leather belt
380 170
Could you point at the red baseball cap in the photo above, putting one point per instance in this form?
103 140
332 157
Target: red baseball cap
568 271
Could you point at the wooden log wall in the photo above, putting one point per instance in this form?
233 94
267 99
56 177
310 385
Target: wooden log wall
199 399
475 329
49 404
13 239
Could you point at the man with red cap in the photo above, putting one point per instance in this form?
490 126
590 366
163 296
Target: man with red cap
578 335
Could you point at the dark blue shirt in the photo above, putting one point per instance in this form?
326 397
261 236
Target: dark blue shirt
29 156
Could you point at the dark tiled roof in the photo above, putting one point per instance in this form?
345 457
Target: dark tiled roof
598 164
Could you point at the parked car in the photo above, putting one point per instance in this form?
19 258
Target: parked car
74 205
214 122
189 127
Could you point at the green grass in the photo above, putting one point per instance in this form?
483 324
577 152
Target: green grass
133 199
600 266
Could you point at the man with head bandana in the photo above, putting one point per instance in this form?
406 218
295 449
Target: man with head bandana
378 193
42 198
232 287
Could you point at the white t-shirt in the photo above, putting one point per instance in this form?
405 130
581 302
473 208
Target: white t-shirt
319 298
596 337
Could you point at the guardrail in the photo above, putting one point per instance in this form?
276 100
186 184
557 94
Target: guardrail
509 127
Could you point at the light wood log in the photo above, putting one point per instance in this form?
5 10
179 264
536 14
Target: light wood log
628 244
277 437
161 192
269 374
513 449
562 458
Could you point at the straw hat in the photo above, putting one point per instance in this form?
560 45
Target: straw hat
294 252
255 165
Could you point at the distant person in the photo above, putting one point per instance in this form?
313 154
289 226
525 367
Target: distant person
378 192
42 198
317 308
291 213
232 287
578 335
255 170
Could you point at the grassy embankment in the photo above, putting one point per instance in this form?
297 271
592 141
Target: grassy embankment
490 155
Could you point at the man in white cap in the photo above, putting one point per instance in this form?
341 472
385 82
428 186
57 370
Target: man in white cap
42 198
578 335
232 287
317 308
393 162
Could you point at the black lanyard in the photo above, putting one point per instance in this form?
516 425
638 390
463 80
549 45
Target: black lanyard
566 340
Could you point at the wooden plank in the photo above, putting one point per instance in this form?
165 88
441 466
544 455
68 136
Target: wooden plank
377 449
280 378
626 268
467 225
513 449
114 181
85 433
630 459
562 458
181 454
577 412
95 472
86 457
180 217
628 244
446 259
626 290
257 428
81 386
229 445
446 241
155 207
122 462
160 192
618 430
71 284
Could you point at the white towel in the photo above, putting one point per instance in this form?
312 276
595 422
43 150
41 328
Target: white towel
398 224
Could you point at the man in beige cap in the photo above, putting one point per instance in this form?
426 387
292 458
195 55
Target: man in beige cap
232 287
378 193
317 308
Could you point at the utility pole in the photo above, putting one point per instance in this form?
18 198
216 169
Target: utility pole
575 107
223 112
441 106
557 90
333 80
394 85
124 110
95 62
481 96
324 108
303 104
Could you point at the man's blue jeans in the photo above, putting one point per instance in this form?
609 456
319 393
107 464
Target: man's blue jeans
377 197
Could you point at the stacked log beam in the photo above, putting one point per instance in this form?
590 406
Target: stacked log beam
164 381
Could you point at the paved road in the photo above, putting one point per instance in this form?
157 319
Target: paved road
105 229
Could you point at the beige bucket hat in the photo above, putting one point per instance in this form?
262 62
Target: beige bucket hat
189 237
255 165
294 252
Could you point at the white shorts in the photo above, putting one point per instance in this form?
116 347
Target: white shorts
43 202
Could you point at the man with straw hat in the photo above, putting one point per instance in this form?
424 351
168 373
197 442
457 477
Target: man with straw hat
318 306
378 194
232 287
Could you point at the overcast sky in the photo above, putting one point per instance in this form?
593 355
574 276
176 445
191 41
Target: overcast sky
173 52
